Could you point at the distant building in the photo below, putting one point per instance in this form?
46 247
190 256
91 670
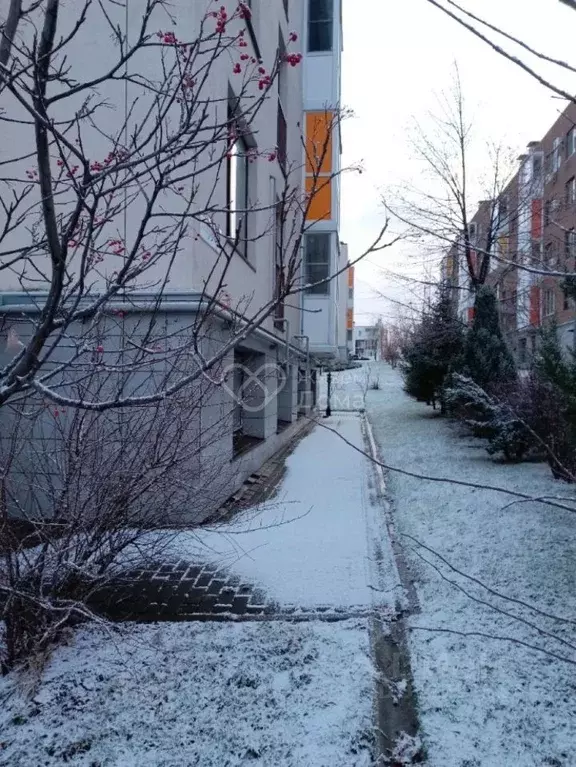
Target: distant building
529 231
367 341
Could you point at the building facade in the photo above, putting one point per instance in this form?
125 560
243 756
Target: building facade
532 244
367 341
233 258
324 305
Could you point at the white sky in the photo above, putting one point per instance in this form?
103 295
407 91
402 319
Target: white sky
397 55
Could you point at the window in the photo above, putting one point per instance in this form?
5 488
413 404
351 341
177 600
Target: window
565 301
350 293
502 212
281 126
237 195
550 255
282 137
571 142
320 25
557 153
547 211
251 21
279 287
317 262
549 302
472 231
536 168
570 243
549 165
571 191
348 335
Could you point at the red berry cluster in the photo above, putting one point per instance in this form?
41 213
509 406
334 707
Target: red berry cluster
244 11
168 38
293 59
221 17
264 80
117 246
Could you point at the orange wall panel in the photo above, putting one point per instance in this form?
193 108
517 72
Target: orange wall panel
351 277
319 142
320 208
349 319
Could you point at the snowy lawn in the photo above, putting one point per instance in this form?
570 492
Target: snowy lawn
313 544
484 702
269 693
349 387
206 694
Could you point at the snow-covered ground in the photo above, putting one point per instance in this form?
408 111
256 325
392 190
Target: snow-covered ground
349 388
484 701
312 545
198 695
264 693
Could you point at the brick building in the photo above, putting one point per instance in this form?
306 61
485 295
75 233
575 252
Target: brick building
528 235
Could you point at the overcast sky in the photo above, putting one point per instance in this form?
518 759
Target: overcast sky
398 54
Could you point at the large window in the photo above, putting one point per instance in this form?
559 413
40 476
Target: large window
320 25
536 168
570 243
317 262
503 213
237 195
558 143
571 142
549 302
279 286
571 191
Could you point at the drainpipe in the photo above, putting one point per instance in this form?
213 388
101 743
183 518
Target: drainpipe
307 339
286 324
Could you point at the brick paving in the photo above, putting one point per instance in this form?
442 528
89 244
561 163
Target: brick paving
183 590
180 591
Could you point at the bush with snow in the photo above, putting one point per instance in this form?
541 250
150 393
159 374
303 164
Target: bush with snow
490 419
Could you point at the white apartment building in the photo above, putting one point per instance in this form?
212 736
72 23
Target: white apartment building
232 253
325 305
367 341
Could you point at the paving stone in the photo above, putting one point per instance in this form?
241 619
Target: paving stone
221 608
204 579
226 597
239 605
216 586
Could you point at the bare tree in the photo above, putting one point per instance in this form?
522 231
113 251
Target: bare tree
122 174
82 495
484 30
117 150
440 215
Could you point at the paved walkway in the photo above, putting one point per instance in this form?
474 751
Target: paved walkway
319 546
